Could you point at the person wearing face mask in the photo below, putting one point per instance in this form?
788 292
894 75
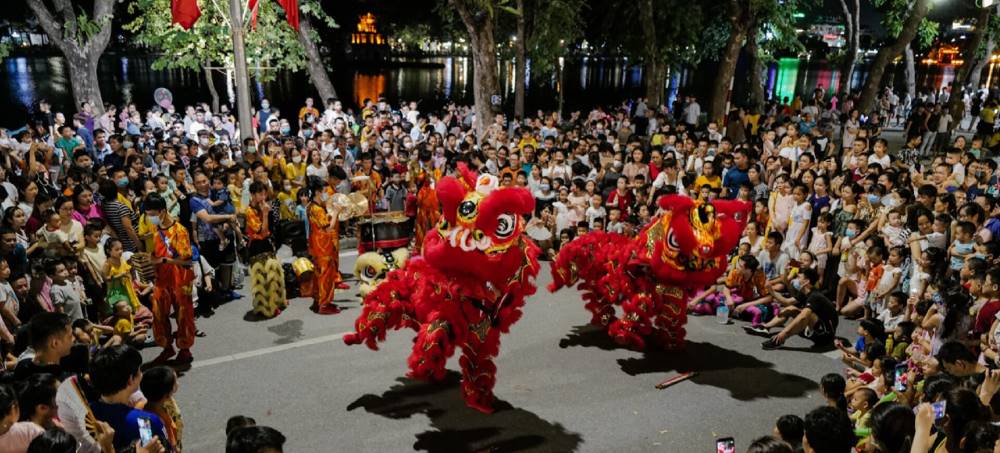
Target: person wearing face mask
204 142
295 169
172 256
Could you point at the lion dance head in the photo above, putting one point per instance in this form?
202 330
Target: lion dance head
372 268
480 232
690 242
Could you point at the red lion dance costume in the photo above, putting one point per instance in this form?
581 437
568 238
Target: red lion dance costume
652 275
466 288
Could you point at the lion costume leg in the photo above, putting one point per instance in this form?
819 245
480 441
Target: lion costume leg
635 322
434 344
670 320
387 307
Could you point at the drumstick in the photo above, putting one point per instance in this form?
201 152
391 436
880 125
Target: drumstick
675 379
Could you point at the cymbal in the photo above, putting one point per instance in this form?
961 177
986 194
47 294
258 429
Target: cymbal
351 206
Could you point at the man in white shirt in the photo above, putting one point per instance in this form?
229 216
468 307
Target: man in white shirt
692 111
197 125
412 113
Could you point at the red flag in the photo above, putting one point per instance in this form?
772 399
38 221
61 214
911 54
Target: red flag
253 14
185 12
292 8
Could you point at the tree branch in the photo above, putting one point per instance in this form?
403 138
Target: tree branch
103 15
51 27
64 8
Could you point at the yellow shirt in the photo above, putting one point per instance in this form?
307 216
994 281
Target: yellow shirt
295 171
146 232
125 201
236 197
123 326
714 182
286 201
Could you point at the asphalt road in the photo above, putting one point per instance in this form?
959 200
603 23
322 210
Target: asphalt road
564 387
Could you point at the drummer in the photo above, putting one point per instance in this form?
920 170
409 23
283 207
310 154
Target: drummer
368 181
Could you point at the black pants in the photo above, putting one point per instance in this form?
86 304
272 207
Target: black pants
222 260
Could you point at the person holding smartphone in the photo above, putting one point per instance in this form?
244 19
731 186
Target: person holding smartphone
116 375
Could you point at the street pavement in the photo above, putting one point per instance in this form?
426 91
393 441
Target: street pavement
562 386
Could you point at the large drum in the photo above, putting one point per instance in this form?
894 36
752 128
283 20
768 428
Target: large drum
385 230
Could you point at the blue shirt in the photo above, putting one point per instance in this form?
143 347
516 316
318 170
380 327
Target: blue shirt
198 204
961 247
733 180
125 421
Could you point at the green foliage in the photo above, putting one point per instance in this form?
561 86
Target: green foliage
270 45
4 50
684 31
926 33
777 27
554 25
894 13
86 27
413 36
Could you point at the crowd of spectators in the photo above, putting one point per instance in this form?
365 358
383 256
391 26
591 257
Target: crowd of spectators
895 229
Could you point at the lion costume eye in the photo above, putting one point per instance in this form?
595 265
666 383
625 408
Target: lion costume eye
371 272
505 226
672 241
467 210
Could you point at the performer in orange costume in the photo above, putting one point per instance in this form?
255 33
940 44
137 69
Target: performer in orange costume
428 208
172 256
335 175
324 247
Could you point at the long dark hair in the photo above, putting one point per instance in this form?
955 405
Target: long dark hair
892 427
963 409
956 306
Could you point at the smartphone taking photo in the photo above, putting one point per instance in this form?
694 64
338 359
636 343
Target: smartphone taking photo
901 378
145 431
725 445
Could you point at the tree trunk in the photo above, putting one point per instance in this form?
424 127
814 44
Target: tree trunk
653 65
84 82
969 53
520 68
317 71
851 26
479 25
869 94
911 72
981 62
727 64
757 94
82 55
210 81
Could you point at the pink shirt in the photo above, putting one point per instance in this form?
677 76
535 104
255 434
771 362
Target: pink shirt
93 213
19 437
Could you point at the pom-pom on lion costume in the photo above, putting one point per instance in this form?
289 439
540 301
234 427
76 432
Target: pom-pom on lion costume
465 289
651 276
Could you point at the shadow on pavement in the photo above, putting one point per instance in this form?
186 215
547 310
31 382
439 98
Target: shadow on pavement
287 332
458 428
744 376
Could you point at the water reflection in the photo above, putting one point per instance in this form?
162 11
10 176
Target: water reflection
432 80
368 86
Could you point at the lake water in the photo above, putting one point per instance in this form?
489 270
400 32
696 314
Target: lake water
432 81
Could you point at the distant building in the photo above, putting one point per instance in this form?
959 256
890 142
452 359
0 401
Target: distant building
367 43
367 33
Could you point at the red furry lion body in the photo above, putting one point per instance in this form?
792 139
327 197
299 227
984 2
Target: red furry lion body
464 290
651 276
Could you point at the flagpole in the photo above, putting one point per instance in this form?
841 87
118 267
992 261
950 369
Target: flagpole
240 64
